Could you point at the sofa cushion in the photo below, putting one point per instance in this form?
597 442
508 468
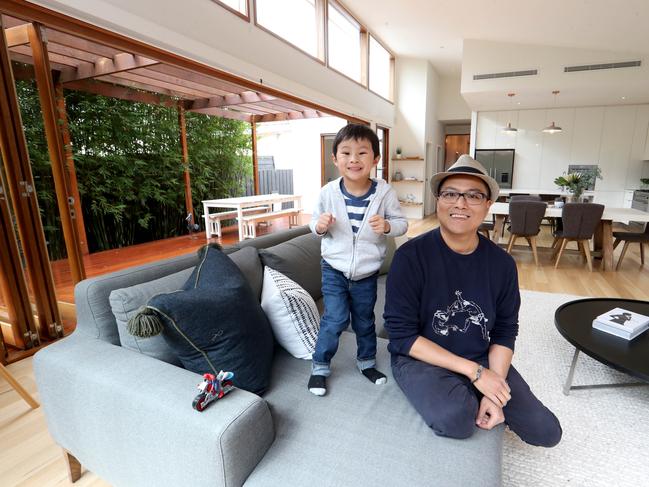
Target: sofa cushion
292 314
214 322
126 302
299 260
362 434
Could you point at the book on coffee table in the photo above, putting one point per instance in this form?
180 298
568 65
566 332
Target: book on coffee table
621 322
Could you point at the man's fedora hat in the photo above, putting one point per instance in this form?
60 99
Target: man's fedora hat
466 166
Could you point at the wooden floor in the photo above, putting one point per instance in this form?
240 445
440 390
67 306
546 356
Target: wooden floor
29 457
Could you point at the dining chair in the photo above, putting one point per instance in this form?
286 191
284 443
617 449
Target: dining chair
579 223
525 197
525 217
486 226
631 237
518 197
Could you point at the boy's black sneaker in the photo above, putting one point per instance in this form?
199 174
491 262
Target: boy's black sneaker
318 385
375 376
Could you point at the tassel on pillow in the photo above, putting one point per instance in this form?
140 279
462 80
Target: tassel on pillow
146 323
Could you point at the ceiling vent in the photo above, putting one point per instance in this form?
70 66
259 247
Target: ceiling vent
593 67
509 74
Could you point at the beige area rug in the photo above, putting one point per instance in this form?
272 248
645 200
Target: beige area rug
605 431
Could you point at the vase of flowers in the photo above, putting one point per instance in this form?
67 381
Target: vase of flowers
577 182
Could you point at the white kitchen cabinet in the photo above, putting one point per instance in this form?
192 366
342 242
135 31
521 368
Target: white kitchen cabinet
628 198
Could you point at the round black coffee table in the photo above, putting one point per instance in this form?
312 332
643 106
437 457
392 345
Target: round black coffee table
574 320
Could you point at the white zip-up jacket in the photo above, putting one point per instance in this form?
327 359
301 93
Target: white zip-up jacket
361 255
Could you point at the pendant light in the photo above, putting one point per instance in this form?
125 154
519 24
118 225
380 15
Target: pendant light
509 129
552 128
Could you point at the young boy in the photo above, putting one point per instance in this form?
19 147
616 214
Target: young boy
353 216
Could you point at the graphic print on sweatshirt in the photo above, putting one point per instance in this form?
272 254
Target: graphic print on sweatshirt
459 316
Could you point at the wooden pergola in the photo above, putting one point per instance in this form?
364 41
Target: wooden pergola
59 52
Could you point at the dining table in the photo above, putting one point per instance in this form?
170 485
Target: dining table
603 238
239 203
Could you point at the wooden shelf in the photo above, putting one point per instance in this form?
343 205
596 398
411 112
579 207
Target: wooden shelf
405 203
407 181
408 159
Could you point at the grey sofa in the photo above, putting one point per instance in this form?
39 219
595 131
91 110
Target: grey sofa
127 416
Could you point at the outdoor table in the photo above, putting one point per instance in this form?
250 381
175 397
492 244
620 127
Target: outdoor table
241 202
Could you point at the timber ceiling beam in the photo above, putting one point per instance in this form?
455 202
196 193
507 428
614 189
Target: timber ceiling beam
104 66
17 36
247 97
293 115
121 92
222 112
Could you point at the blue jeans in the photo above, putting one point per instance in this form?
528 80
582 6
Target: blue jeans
344 298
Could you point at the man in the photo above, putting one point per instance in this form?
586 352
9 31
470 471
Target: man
451 314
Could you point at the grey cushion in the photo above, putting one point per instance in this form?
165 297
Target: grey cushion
375 427
248 262
126 301
391 247
379 306
269 240
299 260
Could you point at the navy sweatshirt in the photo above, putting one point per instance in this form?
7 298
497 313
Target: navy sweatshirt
464 303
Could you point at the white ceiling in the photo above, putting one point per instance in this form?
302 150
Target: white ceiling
434 29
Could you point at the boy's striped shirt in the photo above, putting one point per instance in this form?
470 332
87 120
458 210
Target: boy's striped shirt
357 205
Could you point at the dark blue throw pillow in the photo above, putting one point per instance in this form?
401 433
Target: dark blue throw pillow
213 323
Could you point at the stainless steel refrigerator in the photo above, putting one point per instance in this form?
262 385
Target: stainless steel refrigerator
499 164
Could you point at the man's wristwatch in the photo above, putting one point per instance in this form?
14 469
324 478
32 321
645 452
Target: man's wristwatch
478 373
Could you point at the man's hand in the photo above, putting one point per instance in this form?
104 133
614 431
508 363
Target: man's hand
489 415
493 387
379 224
324 222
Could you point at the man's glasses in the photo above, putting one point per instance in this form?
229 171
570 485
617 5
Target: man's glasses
471 197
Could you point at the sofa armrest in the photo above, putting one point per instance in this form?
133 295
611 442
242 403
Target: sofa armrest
128 418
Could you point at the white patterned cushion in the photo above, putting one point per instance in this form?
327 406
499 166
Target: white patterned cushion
292 313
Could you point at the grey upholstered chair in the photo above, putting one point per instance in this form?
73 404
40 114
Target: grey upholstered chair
519 197
525 197
631 237
525 217
485 228
579 223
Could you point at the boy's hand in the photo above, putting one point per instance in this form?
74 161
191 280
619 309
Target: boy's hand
324 222
379 224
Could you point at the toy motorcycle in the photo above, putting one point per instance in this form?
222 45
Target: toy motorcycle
212 388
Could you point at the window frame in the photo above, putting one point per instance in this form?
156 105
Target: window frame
245 16
391 74
321 28
363 41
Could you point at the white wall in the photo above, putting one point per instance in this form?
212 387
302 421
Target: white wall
612 137
204 31
417 129
452 107
295 145
411 103
434 134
